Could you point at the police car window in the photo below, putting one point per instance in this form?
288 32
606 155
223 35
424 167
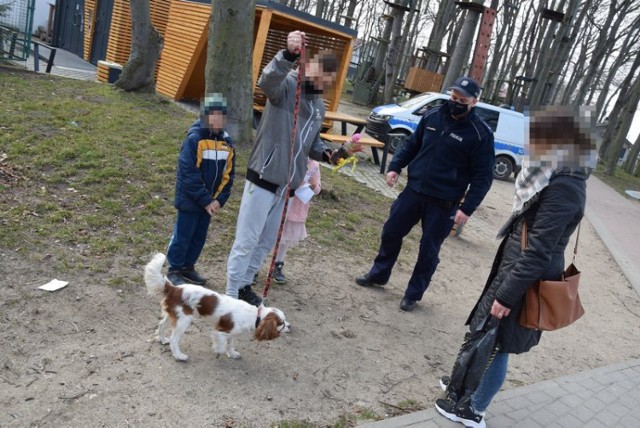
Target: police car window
425 108
489 116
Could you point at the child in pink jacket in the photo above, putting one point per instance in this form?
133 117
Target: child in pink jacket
294 229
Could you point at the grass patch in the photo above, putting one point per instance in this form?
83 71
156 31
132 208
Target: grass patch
620 180
96 176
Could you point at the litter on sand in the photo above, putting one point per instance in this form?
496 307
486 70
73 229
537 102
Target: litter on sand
53 285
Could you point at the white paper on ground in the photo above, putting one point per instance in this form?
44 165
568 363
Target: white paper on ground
304 193
633 193
53 285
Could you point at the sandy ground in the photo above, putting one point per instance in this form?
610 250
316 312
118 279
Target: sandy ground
86 355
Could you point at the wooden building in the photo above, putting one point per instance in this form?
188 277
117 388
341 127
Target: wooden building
184 26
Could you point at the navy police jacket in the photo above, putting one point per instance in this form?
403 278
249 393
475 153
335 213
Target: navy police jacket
206 168
445 157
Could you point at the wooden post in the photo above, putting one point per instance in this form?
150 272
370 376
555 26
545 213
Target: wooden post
341 76
260 43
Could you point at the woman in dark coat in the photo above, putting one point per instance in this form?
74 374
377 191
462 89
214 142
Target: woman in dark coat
550 197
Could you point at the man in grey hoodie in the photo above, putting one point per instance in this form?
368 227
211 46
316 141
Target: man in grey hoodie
269 164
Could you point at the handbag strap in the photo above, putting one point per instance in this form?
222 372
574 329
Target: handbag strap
523 239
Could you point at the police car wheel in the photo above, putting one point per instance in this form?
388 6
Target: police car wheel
395 140
503 168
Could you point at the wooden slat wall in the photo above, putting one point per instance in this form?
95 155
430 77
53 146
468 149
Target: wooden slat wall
318 39
184 26
420 80
119 45
103 72
90 10
184 43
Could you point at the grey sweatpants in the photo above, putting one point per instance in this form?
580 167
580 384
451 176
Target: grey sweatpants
256 234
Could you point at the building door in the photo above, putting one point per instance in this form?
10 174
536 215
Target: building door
69 26
101 31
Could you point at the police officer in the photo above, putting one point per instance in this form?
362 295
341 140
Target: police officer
450 153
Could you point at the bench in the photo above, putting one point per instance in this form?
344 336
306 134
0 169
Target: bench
365 140
37 56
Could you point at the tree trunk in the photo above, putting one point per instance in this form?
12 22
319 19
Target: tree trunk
455 28
138 74
630 104
229 63
394 54
565 39
620 60
446 13
552 60
574 81
632 159
510 68
620 118
604 46
350 11
319 8
460 57
383 47
492 79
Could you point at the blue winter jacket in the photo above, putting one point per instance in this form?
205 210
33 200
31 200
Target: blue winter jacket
206 167
445 157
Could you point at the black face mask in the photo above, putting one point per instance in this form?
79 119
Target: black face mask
309 88
457 109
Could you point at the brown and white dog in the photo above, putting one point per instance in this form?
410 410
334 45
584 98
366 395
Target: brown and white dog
229 317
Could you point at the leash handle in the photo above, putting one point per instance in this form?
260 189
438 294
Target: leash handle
296 111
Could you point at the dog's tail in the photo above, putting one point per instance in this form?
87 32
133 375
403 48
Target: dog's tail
153 277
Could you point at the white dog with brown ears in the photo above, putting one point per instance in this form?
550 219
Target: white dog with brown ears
227 316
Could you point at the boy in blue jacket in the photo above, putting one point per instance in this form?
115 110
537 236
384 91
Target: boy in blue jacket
203 184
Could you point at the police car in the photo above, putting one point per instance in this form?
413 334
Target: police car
395 122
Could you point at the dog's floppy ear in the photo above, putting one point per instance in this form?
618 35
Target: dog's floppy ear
268 328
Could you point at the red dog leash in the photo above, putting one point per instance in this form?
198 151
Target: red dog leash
296 111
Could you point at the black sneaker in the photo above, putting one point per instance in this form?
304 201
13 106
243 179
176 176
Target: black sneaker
447 407
460 411
407 304
468 417
249 296
175 277
278 275
190 274
444 382
365 281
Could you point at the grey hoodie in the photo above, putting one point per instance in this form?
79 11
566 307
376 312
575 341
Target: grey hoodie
271 152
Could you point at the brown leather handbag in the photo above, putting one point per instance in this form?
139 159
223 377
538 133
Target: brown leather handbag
550 305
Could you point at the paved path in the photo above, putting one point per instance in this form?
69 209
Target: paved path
617 221
65 64
603 397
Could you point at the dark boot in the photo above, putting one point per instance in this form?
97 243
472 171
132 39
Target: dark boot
190 275
278 275
175 276
249 296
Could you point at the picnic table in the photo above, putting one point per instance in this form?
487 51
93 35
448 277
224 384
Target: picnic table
344 136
